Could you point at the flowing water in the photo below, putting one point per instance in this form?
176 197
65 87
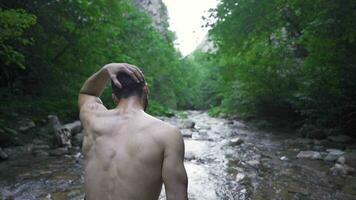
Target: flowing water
219 166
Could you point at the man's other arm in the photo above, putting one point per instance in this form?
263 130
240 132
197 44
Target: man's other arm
173 172
92 88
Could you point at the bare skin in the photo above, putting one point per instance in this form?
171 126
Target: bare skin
128 153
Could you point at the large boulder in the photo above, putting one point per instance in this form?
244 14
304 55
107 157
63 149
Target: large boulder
314 155
333 155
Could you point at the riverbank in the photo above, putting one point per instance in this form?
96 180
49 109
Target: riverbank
225 159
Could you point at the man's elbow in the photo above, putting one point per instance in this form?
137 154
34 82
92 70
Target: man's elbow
180 190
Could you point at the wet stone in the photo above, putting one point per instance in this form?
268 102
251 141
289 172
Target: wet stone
186 124
341 160
189 156
339 169
253 162
236 141
333 155
240 177
186 133
314 155
283 158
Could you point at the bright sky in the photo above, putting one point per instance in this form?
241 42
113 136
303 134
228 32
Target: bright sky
185 19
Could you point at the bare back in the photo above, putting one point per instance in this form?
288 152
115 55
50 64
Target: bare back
125 154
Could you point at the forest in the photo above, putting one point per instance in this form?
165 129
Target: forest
290 63
264 107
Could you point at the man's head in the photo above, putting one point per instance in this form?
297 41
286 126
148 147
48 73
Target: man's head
129 88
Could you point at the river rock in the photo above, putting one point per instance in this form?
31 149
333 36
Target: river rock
3 155
26 124
314 155
340 139
59 151
186 124
341 160
253 162
189 155
236 141
187 133
335 151
283 158
339 169
240 177
333 155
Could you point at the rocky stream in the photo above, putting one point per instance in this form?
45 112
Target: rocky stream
224 159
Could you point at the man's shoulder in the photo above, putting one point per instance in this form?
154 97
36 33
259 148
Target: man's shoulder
165 126
162 128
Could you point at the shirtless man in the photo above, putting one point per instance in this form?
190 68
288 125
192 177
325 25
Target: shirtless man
128 153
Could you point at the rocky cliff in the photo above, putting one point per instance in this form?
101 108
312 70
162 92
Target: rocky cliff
158 12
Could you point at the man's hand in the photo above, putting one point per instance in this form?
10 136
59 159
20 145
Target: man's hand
114 68
94 85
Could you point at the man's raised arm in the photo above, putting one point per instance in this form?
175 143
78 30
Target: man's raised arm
94 85
173 172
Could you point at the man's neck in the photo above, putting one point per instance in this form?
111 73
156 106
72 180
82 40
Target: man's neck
129 104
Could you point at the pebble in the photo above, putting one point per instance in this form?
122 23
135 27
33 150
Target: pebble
253 162
240 177
283 158
236 141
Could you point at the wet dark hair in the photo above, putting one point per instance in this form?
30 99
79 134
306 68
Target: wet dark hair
129 87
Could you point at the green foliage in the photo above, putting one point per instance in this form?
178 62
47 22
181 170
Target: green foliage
286 59
215 111
156 108
69 42
13 24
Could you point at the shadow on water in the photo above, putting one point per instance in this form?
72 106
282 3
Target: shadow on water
224 160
